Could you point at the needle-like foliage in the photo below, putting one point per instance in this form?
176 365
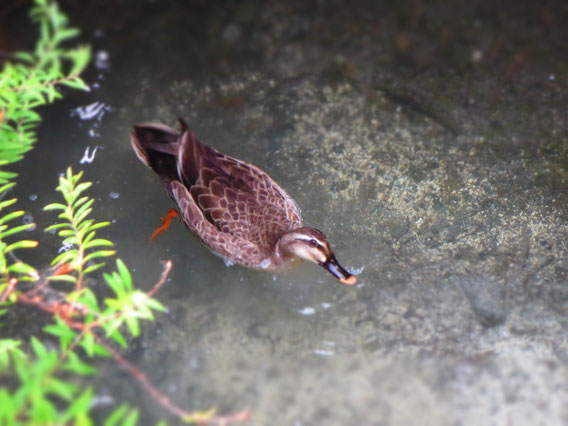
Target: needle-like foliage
78 231
82 322
9 269
32 79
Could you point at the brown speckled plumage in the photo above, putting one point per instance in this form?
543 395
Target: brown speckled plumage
235 208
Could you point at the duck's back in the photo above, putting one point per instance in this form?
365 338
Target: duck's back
236 197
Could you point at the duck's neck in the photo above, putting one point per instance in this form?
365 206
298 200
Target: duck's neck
283 250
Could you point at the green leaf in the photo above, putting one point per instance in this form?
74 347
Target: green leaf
20 244
83 186
65 34
6 176
133 326
99 242
117 415
98 225
155 304
67 232
82 204
77 366
11 216
62 389
55 206
131 418
80 57
79 408
9 348
7 203
124 274
17 229
23 269
92 268
100 350
65 278
76 83
7 186
38 348
65 257
98 254
58 226
42 410
9 408
82 215
63 331
113 281
88 343
88 298
24 56
117 336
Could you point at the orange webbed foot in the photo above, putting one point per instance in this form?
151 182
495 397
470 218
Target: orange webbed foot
165 223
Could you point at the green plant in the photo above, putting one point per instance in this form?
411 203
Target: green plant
82 324
78 231
81 320
36 382
32 80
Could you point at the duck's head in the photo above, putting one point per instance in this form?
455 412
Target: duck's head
311 244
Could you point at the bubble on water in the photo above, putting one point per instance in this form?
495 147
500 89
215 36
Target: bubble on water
324 352
327 350
114 195
102 399
93 133
33 197
27 219
308 310
194 363
102 61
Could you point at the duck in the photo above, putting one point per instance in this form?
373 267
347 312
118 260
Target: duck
236 209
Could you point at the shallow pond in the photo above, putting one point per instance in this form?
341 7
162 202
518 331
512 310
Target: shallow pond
458 240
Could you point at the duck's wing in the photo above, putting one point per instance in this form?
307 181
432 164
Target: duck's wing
227 245
236 197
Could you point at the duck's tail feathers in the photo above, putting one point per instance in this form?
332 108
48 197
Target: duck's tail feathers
156 146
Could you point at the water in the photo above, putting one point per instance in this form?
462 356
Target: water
417 212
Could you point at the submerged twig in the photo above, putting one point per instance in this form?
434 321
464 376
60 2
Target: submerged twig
56 304
198 417
165 272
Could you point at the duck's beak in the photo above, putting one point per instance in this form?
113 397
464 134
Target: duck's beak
338 272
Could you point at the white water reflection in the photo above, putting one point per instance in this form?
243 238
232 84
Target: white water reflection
96 110
89 157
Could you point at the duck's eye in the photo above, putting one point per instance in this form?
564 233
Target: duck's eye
313 243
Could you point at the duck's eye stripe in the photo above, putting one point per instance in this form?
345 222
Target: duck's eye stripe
310 240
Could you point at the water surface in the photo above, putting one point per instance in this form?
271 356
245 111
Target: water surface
452 212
